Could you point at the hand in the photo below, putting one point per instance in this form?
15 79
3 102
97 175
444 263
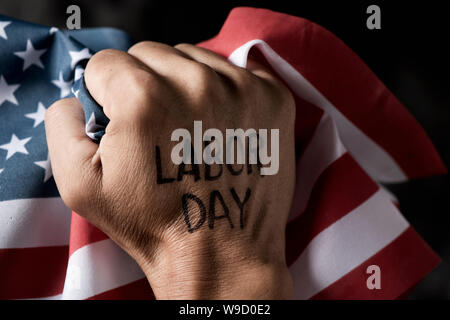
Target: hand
197 231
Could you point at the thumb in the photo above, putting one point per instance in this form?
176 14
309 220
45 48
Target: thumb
73 155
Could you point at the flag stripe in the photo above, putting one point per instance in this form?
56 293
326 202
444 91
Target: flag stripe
346 244
323 148
397 272
97 268
83 233
307 120
28 223
342 187
32 272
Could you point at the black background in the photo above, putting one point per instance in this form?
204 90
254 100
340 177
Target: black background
409 54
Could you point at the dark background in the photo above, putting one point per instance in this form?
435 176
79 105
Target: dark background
409 54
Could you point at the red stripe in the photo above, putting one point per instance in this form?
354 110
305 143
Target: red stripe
306 121
83 233
403 263
32 272
341 76
342 187
137 290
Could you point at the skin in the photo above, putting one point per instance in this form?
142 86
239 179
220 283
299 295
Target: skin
147 93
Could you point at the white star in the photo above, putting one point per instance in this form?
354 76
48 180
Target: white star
77 56
91 127
31 56
7 91
47 166
64 86
38 116
53 30
3 25
16 145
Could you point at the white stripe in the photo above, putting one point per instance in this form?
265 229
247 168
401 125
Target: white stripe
38 222
346 244
97 268
323 149
376 161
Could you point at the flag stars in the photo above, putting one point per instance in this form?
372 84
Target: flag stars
64 86
77 56
16 145
7 91
3 25
46 165
31 56
37 116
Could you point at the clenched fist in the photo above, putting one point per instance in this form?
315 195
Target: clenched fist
198 229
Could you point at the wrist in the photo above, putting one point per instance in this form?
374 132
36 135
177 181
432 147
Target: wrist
231 272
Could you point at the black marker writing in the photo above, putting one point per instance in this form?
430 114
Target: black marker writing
241 204
212 209
215 198
187 218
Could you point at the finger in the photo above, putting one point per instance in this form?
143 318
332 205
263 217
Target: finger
225 67
75 169
240 77
122 85
160 57
212 59
180 69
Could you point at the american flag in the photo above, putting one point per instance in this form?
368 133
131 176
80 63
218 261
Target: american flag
352 135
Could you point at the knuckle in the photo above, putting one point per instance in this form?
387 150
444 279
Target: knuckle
55 111
138 47
144 46
245 80
147 91
140 83
202 73
182 46
204 85
52 111
250 90
99 58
